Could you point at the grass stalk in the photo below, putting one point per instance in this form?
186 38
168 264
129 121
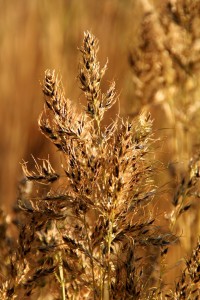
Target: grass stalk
61 276
91 258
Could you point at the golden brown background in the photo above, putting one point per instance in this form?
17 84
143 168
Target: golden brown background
40 34
36 35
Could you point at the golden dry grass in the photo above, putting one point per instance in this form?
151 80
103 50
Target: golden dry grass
153 53
38 35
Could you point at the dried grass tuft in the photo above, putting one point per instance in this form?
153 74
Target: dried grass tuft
88 230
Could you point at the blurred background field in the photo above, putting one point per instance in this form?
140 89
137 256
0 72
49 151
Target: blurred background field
153 52
36 35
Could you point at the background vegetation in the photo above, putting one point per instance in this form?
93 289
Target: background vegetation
153 52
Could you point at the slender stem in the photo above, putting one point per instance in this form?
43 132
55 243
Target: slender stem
62 278
91 260
109 242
